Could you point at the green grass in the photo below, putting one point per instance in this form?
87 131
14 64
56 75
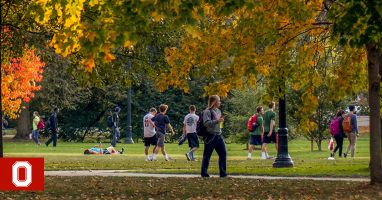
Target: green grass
69 156
196 188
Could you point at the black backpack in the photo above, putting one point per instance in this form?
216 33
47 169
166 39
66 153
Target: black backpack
201 130
110 122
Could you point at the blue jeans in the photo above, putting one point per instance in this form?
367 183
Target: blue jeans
116 135
35 135
216 142
53 139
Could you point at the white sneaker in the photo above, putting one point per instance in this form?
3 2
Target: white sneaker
263 157
331 158
149 159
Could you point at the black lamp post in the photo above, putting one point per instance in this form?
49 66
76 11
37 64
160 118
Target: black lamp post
283 159
129 132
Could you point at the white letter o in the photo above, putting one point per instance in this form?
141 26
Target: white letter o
15 174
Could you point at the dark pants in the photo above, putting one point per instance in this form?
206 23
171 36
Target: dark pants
216 142
339 143
116 136
52 138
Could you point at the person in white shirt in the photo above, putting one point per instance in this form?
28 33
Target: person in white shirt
189 129
149 134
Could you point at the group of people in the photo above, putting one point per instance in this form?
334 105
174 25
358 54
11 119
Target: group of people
262 130
342 126
38 124
155 126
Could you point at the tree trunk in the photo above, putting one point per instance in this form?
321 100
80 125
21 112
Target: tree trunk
24 124
374 77
311 145
319 144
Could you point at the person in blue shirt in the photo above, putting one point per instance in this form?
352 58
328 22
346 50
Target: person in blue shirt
53 121
354 133
162 122
115 128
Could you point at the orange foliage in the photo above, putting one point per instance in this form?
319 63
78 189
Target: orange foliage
18 82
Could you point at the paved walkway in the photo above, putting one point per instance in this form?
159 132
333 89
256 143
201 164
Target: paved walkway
124 173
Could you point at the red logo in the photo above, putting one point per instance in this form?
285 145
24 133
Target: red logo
22 174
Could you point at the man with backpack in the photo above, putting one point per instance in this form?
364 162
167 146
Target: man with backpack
53 125
189 128
350 127
336 130
254 134
115 128
213 140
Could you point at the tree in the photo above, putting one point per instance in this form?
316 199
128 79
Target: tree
19 82
359 23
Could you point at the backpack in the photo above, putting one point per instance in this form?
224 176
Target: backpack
201 130
251 121
335 126
41 125
110 122
346 124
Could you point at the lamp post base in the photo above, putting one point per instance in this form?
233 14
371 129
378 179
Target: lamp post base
283 162
283 158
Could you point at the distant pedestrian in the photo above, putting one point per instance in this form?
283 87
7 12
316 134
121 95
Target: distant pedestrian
212 120
189 128
149 134
255 134
337 133
35 131
53 121
270 135
162 122
350 128
115 129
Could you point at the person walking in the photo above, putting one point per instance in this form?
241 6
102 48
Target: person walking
162 122
212 120
35 131
256 133
338 137
270 134
115 128
189 128
350 127
149 134
53 121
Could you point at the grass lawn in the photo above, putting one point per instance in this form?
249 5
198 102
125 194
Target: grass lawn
196 188
69 156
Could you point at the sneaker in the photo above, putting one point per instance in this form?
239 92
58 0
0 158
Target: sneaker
121 152
270 157
249 158
345 155
188 156
148 159
331 158
194 159
263 158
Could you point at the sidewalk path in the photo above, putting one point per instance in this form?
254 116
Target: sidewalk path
124 173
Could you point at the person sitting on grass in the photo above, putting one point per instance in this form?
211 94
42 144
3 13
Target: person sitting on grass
97 150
